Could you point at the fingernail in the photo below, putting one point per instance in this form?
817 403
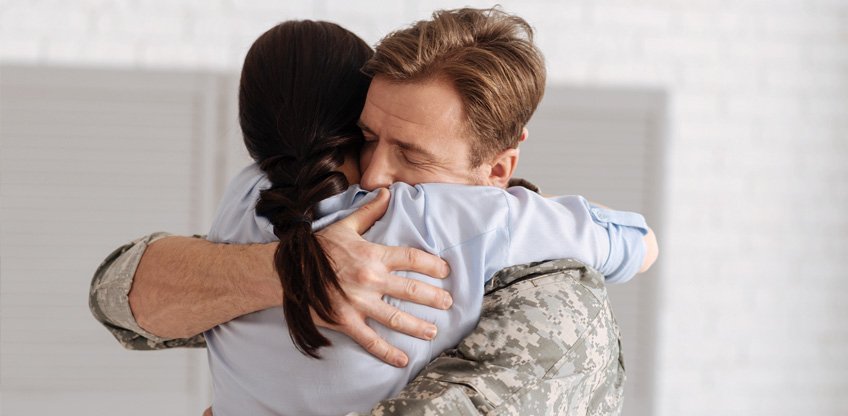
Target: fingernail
447 301
431 332
400 361
445 270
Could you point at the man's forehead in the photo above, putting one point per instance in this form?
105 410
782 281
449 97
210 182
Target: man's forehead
430 103
394 109
423 115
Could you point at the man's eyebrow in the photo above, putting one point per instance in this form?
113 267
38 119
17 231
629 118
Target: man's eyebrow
414 148
409 147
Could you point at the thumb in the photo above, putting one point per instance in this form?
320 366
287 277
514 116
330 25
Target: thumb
363 218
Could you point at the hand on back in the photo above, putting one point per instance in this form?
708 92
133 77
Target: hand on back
365 272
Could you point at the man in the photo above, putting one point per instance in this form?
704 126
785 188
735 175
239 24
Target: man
468 133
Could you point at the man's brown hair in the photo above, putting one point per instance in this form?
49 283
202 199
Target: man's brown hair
488 56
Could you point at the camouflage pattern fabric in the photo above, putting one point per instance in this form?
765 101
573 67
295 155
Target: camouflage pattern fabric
109 302
547 344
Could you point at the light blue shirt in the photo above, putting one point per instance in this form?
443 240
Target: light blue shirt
478 230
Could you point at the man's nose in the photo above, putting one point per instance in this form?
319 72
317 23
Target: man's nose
379 173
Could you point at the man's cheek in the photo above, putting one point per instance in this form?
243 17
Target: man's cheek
416 176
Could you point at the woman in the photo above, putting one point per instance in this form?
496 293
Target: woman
300 96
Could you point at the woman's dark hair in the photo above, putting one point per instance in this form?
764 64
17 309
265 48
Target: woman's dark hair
300 97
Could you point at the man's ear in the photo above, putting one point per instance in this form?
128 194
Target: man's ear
524 135
503 167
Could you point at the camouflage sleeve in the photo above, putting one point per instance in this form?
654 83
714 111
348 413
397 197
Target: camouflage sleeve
109 302
546 344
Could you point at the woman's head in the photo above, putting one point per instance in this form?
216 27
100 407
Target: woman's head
300 97
302 88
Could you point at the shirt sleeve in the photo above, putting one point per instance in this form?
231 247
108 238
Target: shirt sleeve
626 243
109 302
569 227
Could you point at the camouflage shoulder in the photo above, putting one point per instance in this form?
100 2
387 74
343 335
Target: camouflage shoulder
577 270
428 397
546 344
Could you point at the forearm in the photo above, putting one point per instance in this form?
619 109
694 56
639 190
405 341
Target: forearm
109 304
184 286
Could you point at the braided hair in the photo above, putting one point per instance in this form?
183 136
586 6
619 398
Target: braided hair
300 96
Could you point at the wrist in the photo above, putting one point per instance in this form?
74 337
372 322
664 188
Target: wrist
271 290
252 282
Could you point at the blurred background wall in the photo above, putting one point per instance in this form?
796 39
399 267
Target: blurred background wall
750 312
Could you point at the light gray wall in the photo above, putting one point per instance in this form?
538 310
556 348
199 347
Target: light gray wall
608 144
90 159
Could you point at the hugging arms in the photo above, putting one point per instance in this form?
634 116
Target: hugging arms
407 139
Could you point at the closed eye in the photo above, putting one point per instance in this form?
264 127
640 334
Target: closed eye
406 157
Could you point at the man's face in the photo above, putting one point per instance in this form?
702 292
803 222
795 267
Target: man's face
414 133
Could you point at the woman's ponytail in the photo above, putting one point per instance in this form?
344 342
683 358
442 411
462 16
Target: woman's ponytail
300 96
306 273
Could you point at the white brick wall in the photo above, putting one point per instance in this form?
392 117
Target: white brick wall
753 308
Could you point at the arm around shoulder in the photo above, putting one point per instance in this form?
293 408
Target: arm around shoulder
109 303
185 285
162 291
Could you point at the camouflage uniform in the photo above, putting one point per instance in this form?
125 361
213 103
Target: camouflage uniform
109 302
546 344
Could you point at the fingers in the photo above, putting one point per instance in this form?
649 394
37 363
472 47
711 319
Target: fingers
406 258
352 324
376 346
400 321
417 292
363 218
